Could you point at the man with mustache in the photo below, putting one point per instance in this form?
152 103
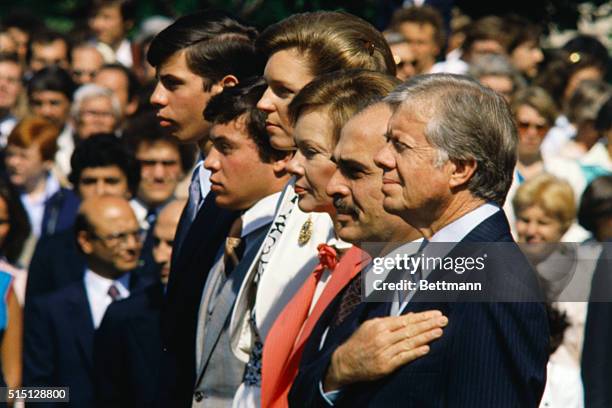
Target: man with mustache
380 347
448 162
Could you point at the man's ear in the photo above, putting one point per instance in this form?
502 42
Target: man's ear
225 82
131 107
461 172
84 242
280 166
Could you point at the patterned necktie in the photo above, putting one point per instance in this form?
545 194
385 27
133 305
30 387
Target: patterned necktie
351 298
113 292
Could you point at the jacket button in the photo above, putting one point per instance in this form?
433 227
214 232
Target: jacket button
199 396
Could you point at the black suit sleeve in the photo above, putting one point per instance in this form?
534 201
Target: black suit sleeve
37 284
39 346
109 372
597 353
305 391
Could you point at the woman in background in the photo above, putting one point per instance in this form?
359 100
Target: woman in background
545 208
298 49
14 230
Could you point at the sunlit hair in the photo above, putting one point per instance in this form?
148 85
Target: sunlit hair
464 121
36 131
215 44
554 196
341 95
329 41
538 99
89 91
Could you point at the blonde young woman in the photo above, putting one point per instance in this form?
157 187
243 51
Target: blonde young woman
545 209
298 49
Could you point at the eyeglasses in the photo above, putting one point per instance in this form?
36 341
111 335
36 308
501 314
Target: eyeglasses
120 238
525 126
96 113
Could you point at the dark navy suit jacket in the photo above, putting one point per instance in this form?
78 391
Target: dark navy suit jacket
596 352
60 211
58 342
127 351
180 312
490 355
56 263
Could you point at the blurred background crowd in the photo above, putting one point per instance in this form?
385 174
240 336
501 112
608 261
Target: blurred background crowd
76 121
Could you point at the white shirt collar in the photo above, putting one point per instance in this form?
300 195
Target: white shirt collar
458 229
124 53
97 288
260 214
203 178
140 211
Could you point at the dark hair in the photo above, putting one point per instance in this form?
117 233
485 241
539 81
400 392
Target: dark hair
422 15
132 80
10 57
216 45
241 100
341 95
102 150
52 78
521 31
586 44
603 122
81 223
19 229
559 69
22 19
126 7
46 36
487 28
596 203
330 41
145 128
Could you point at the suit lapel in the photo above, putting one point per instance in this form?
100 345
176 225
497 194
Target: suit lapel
355 262
226 299
79 313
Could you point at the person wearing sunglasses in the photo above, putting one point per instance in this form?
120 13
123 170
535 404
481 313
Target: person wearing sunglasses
535 114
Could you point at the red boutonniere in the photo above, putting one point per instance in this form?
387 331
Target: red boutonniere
327 256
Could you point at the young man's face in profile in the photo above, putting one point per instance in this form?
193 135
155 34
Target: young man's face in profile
180 99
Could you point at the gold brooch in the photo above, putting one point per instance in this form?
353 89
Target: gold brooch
305 232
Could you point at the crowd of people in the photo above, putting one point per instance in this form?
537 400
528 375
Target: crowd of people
188 218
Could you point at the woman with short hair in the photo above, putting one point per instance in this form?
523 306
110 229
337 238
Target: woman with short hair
298 49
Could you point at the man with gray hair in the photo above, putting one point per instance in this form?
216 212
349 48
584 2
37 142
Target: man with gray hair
447 167
95 110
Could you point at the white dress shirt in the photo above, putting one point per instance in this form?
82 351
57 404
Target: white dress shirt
453 232
97 288
124 54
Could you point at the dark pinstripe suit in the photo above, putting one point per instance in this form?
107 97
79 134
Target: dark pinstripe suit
490 355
